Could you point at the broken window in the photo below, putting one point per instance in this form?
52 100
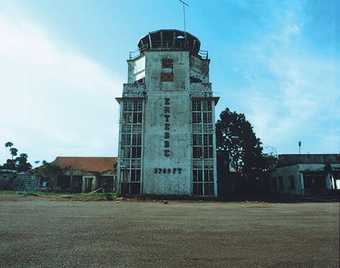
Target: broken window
197 139
207 117
167 63
197 152
137 118
196 117
130 146
196 105
126 139
207 105
203 149
167 77
195 80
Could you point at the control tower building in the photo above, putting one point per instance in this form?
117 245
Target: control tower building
167 114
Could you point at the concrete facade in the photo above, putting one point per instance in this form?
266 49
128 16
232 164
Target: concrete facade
167 135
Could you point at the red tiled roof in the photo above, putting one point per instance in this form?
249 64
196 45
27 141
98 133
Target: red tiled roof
92 164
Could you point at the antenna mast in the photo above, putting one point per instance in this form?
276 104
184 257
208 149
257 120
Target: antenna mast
184 4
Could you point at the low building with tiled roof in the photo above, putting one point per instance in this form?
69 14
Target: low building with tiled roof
86 174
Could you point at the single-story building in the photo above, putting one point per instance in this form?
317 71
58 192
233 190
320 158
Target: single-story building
19 181
86 174
306 174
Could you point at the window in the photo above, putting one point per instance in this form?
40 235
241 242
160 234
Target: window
130 150
137 139
127 117
167 77
126 174
197 175
196 117
197 139
127 105
208 189
207 118
126 139
136 152
207 105
197 152
137 118
198 189
208 139
167 63
208 152
208 175
203 174
195 80
137 105
135 175
126 152
196 105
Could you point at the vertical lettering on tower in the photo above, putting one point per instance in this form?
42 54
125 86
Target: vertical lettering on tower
166 127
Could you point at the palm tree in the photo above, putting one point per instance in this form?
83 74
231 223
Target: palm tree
14 152
8 144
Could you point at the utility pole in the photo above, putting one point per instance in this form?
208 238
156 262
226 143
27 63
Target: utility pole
299 144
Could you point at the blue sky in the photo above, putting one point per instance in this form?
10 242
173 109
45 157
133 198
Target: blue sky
63 62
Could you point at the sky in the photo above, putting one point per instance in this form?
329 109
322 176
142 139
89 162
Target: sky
63 62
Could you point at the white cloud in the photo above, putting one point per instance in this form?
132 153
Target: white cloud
294 93
53 100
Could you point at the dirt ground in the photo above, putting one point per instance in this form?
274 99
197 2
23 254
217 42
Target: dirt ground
43 233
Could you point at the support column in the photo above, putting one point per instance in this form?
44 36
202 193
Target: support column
83 185
71 183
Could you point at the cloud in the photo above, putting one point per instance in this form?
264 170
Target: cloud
292 93
54 100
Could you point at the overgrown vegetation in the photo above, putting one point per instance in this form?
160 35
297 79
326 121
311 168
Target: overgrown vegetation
239 147
17 163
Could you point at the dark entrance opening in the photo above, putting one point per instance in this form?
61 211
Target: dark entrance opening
314 182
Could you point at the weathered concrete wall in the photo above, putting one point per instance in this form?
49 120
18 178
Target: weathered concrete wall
285 173
297 172
167 109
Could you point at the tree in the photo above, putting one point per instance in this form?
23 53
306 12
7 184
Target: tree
236 141
8 144
22 165
13 151
19 163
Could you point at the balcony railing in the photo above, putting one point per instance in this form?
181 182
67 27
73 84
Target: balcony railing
201 87
203 54
134 89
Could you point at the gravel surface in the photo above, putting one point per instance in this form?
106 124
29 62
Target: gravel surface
43 233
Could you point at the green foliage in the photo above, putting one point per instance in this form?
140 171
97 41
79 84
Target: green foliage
8 144
236 140
13 151
19 163
22 164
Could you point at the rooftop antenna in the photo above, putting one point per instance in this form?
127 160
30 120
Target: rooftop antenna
184 4
299 144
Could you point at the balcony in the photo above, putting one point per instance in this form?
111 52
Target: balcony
133 90
201 89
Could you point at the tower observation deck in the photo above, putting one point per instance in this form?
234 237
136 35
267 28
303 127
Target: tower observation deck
170 39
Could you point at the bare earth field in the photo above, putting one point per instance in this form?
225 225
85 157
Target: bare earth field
43 233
